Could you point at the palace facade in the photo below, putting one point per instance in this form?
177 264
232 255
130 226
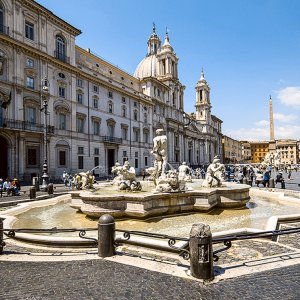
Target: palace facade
98 113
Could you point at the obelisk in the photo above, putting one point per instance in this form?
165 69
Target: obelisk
272 143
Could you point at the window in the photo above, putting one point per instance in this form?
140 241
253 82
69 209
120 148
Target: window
32 157
110 130
80 125
62 158
145 118
96 161
110 107
60 47
30 82
96 89
29 28
80 162
136 154
96 151
80 150
61 75
124 133
110 94
124 153
136 135
124 111
146 137
123 100
79 82
61 92
96 127
146 161
95 103
134 104
135 115
30 114
136 163
29 63
62 120
79 98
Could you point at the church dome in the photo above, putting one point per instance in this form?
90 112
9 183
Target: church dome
147 67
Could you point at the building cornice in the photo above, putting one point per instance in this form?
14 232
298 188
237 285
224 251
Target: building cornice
49 15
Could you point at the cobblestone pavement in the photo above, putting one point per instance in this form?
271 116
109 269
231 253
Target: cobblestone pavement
101 279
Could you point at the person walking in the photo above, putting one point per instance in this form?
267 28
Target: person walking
266 178
289 172
143 174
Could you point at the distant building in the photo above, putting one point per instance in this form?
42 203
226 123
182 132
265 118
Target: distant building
232 150
246 152
289 151
259 149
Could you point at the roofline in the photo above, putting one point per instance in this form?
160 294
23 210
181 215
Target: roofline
33 3
96 56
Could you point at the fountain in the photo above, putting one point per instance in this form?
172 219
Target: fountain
169 192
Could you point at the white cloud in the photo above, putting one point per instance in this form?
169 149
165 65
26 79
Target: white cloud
263 133
290 96
285 118
262 123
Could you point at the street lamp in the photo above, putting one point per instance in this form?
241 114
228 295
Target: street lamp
44 98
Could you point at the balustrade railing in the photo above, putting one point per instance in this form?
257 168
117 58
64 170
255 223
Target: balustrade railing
25 125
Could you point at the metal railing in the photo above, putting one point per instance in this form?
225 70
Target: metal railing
111 139
25 125
198 248
4 29
61 56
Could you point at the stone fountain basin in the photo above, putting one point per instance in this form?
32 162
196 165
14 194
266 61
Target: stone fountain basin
148 204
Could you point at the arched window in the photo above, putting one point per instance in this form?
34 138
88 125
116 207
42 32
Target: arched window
110 107
60 48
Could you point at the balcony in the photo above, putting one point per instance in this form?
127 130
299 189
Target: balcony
4 29
62 57
111 140
26 126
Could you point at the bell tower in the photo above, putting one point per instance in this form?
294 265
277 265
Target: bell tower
167 61
203 106
153 42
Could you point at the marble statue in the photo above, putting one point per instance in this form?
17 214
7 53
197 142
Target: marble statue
170 182
184 172
87 180
125 177
160 152
214 174
271 159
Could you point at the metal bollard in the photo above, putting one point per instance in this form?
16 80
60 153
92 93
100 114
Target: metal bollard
271 183
50 189
32 192
2 244
201 252
106 236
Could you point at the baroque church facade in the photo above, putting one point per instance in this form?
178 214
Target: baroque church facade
98 113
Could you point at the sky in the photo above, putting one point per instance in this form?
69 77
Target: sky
249 50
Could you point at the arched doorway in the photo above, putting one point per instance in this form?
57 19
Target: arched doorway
3 157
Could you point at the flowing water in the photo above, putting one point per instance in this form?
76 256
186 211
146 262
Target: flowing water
254 215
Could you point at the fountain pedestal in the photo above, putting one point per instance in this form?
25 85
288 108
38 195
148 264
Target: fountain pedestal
147 204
